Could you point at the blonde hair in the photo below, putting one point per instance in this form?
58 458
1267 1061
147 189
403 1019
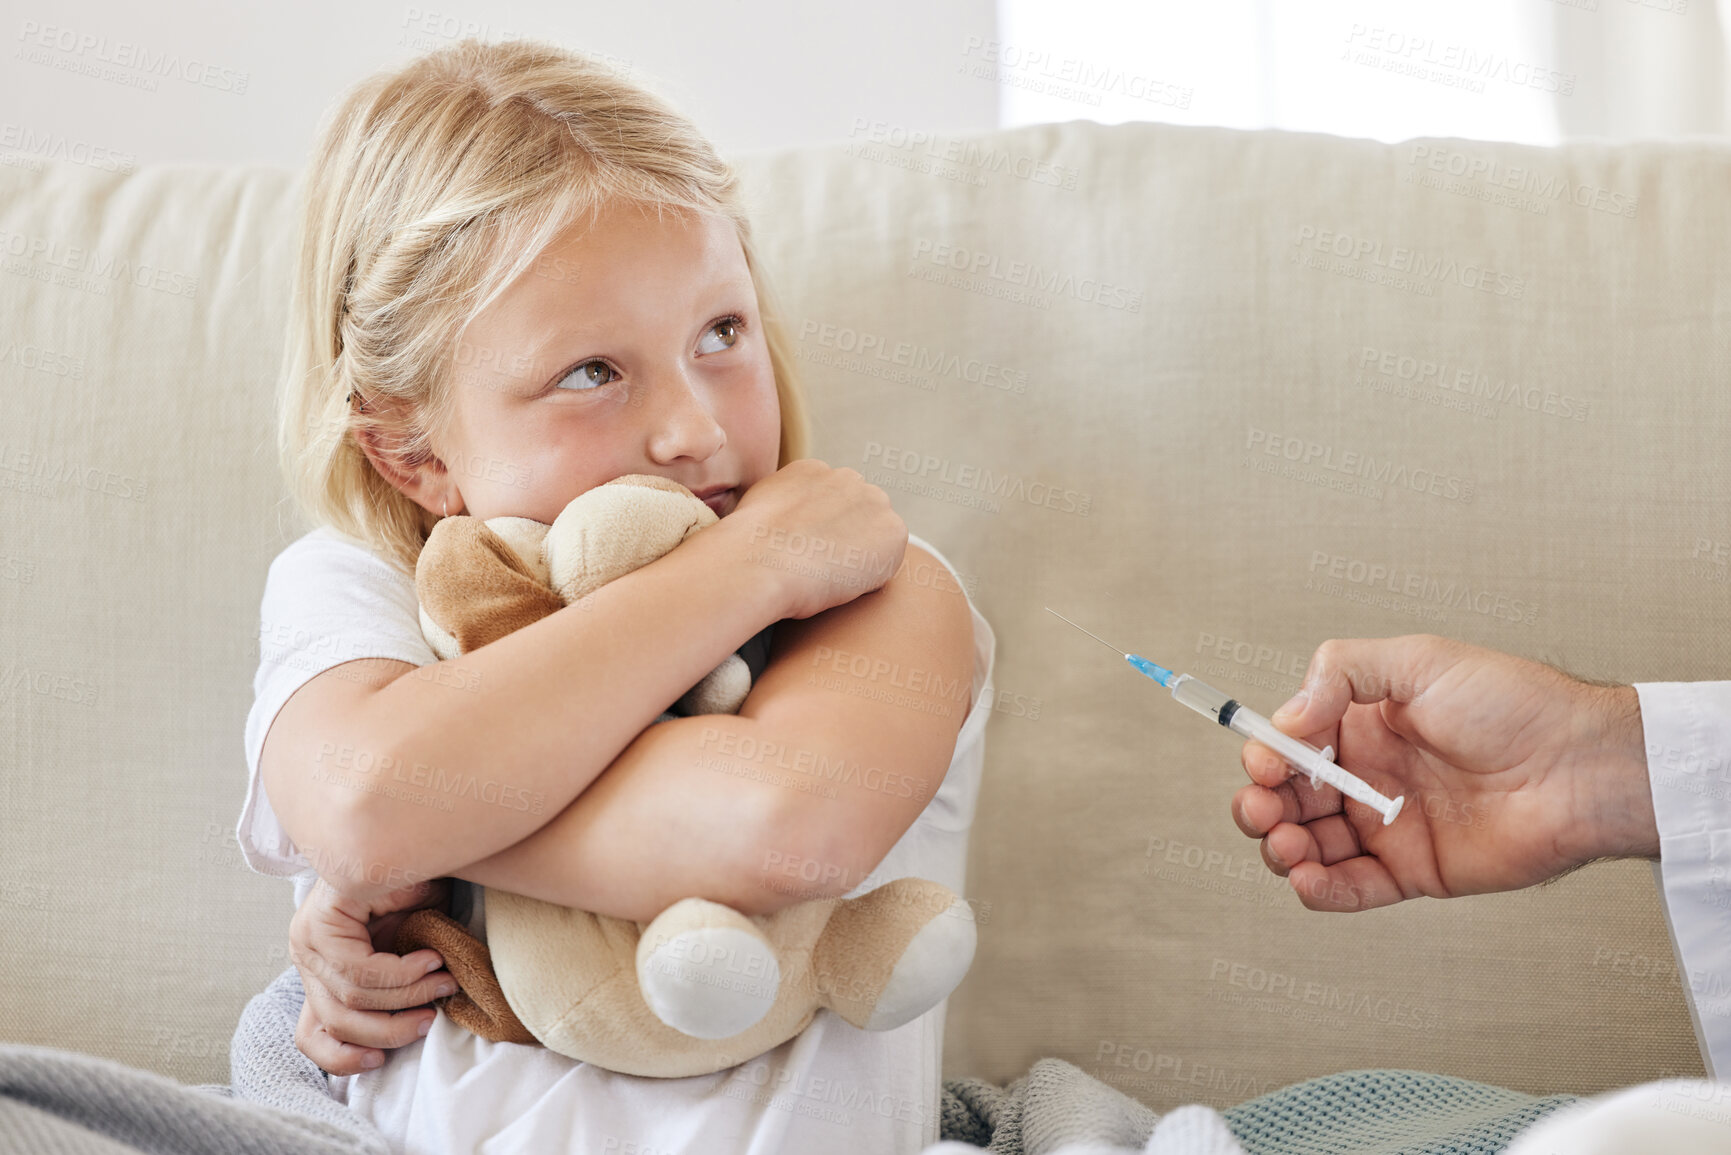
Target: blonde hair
430 189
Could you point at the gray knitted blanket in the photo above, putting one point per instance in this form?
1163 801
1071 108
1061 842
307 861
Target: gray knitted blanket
55 1102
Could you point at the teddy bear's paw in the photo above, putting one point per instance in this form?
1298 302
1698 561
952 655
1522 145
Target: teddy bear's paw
721 691
933 965
711 982
710 974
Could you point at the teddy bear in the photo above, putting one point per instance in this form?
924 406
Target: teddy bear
701 987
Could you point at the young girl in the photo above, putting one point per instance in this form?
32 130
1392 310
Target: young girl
521 277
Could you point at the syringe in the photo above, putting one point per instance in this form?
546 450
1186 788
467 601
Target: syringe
1240 719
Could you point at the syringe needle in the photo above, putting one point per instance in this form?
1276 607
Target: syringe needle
1090 633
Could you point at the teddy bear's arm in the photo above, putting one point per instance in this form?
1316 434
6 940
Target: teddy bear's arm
475 587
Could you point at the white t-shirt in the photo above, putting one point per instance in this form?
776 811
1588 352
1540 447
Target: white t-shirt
832 1088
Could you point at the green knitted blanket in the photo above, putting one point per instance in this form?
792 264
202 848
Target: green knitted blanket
1353 1113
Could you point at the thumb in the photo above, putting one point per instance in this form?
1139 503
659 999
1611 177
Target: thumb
1364 670
1293 711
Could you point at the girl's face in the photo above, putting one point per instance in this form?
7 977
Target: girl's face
633 346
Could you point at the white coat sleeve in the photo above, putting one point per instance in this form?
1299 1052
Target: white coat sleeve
1688 737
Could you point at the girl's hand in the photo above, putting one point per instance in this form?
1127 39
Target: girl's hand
354 982
830 534
1514 773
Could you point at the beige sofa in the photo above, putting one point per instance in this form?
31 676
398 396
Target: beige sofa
1215 395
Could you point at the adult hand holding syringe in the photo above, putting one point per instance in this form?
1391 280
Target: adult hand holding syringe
1514 772
1233 714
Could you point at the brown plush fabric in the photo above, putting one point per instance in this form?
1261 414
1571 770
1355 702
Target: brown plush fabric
864 939
479 1005
482 591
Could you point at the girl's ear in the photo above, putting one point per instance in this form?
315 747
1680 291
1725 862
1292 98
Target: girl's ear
423 479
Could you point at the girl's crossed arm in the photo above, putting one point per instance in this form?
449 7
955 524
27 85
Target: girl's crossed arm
387 786
638 838
840 745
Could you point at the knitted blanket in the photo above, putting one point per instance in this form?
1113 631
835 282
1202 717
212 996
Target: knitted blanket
1057 1109
278 1102
55 1102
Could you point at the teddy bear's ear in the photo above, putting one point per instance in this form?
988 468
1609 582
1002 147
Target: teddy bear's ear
475 587
525 535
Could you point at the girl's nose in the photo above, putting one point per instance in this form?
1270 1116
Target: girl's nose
683 425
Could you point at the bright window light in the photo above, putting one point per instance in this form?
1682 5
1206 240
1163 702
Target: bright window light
1387 70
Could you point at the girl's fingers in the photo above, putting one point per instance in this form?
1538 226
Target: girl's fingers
341 956
332 1056
344 1026
374 993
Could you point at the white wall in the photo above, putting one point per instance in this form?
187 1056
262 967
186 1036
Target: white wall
240 81
111 82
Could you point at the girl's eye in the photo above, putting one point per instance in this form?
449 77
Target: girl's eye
590 380
731 326
597 374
